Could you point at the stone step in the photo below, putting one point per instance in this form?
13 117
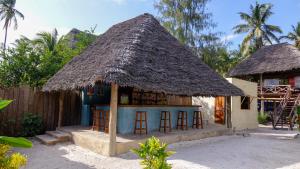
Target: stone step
47 139
60 135
288 136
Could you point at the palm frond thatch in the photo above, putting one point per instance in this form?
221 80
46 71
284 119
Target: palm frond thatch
141 53
269 59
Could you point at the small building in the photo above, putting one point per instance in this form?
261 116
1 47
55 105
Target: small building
277 70
243 108
137 79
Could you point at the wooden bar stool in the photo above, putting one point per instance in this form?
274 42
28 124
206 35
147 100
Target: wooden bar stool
165 121
182 120
140 122
197 119
98 120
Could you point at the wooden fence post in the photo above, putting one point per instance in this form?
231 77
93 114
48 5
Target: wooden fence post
61 109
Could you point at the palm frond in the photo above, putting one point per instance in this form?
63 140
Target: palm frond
246 43
272 36
245 17
241 28
273 28
266 11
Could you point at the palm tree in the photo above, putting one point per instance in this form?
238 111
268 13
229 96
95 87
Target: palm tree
259 33
294 35
9 14
47 41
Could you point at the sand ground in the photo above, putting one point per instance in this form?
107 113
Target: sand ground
225 152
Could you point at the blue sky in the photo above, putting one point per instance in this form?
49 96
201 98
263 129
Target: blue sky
44 15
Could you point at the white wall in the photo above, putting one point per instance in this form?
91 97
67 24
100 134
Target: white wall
244 119
240 119
207 107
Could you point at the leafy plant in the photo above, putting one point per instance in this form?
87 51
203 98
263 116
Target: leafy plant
262 118
11 141
31 125
33 61
4 103
154 154
15 142
10 160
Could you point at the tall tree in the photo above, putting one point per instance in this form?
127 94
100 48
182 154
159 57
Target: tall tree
47 41
192 24
9 14
33 62
294 35
185 19
259 33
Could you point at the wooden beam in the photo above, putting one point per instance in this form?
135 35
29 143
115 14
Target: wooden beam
113 119
261 93
61 109
228 111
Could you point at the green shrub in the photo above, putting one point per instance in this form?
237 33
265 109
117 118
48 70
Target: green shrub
262 118
9 160
31 125
154 154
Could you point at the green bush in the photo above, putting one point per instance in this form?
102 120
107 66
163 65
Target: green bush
154 154
31 125
262 118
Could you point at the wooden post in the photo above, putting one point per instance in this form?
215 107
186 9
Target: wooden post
113 119
228 111
61 109
261 94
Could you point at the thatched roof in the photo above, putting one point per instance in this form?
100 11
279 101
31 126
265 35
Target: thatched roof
141 53
269 59
72 37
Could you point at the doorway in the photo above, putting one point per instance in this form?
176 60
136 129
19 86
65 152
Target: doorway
220 110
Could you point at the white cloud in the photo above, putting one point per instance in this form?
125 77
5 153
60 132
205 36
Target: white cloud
120 2
229 37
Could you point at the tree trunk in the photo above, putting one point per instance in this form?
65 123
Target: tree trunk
5 38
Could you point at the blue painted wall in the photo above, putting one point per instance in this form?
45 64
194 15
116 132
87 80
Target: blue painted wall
126 114
95 99
86 118
126 117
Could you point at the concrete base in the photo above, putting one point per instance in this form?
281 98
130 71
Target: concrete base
98 141
53 137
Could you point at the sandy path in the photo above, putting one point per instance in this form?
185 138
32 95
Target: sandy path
226 152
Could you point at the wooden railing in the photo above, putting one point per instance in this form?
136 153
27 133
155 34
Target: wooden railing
274 89
277 114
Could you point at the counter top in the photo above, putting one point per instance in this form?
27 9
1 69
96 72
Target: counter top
152 105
